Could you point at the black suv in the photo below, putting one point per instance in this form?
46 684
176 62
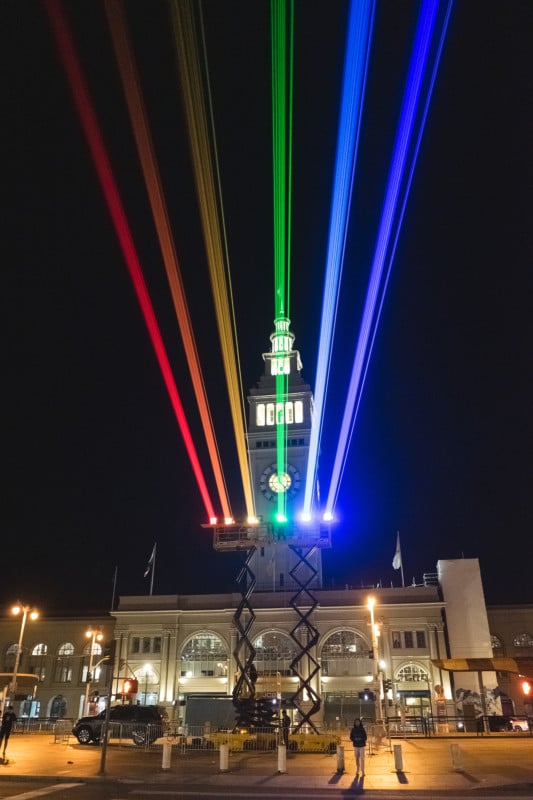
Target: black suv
140 723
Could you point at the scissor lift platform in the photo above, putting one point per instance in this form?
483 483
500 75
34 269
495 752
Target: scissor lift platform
244 537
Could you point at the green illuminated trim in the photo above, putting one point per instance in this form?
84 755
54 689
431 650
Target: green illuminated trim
282 44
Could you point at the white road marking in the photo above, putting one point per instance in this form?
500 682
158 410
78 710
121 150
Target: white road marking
58 787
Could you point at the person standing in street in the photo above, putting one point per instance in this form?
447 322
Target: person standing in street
8 720
358 739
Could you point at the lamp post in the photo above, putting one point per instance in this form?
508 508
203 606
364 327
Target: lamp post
371 602
430 720
147 674
93 636
24 610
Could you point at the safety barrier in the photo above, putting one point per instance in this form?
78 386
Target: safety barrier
40 724
189 738
62 731
518 725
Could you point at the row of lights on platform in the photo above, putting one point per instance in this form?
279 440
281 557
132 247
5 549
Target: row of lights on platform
281 518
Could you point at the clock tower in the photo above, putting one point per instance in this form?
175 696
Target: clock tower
273 559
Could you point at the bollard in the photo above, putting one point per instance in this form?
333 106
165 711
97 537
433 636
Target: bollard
224 758
167 752
457 757
340 758
398 760
282 759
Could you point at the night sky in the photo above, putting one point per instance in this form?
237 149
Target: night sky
95 470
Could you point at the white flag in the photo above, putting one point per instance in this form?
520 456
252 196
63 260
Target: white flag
150 563
397 560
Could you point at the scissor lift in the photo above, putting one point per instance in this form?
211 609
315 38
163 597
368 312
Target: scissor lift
303 539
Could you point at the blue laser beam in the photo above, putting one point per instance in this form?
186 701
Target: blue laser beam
390 220
361 17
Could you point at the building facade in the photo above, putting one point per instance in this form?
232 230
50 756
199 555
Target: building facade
180 648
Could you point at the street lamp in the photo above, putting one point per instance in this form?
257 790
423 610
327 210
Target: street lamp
93 636
147 674
24 610
371 602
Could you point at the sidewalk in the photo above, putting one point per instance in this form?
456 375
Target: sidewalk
428 765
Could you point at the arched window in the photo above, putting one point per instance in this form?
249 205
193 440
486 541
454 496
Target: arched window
341 653
148 678
63 665
96 648
412 673
274 653
58 707
11 654
204 656
97 655
523 640
38 660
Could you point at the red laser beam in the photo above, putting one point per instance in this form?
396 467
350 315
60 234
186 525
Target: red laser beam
102 165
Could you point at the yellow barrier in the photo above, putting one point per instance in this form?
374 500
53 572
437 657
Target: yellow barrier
244 741
314 742
302 742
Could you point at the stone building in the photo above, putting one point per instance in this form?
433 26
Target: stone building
180 648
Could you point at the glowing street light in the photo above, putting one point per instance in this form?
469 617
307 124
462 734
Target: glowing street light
94 636
371 602
33 613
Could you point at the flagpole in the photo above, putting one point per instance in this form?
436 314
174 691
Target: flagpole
153 570
401 559
397 561
114 589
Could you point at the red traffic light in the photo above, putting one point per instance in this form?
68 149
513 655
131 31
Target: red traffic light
130 686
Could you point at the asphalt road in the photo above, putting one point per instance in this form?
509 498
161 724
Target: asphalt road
111 790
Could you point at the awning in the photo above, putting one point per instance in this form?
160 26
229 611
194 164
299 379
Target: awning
24 679
520 665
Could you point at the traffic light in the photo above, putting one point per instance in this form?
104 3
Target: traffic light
367 696
130 686
387 685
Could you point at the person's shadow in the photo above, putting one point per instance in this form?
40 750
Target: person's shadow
357 787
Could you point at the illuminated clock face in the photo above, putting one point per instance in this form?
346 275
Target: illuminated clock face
280 483
271 483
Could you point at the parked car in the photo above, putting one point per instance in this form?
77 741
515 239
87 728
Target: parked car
141 723
498 724
508 723
519 724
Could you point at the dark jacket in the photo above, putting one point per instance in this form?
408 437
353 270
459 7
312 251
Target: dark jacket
8 720
358 736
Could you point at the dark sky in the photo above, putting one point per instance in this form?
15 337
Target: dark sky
95 469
